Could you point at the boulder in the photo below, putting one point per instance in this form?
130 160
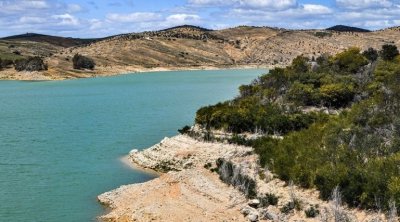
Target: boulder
254 203
252 217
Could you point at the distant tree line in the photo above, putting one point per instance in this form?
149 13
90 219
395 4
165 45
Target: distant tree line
37 63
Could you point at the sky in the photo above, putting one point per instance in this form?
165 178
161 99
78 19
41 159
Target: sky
100 18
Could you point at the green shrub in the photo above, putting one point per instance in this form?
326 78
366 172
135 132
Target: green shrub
82 62
6 63
30 64
184 130
357 150
311 212
268 199
389 52
371 54
350 60
292 205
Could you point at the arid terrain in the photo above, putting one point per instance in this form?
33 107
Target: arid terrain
191 188
186 47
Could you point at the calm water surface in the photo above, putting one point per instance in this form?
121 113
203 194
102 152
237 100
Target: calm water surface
60 142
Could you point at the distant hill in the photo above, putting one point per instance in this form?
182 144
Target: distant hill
191 27
184 47
54 40
343 28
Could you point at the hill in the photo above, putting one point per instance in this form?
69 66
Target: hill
343 28
54 40
191 47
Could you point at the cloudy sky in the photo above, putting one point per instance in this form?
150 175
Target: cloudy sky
98 18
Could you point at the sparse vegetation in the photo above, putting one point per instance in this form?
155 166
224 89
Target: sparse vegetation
30 64
322 34
184 130
268 199
371 54
389 52
311 212
83 62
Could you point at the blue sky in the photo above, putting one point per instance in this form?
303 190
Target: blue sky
98 18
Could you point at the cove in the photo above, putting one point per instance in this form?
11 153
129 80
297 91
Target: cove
61 141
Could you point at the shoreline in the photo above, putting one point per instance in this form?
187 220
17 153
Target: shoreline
135 167
190 186
12 75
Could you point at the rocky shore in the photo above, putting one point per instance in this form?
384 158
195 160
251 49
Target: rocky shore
204 181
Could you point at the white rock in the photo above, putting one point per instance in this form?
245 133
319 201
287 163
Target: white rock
133 151
253 217
254 203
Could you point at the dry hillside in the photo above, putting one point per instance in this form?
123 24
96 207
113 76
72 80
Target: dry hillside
193 47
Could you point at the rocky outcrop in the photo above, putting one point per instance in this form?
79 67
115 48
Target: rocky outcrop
216 182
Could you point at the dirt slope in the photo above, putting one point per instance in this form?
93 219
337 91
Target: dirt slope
192 47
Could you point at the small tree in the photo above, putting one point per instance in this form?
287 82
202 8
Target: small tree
389 52
83 62
300 64
6 63
371 54
30 64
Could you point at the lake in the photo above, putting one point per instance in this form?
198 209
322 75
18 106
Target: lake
61 141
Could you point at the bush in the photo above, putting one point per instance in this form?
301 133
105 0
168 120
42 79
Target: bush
268 199
30 64
184 130
311 212
371 54
83 62
300 64
292 205
357 150
389 52
350 60
7 63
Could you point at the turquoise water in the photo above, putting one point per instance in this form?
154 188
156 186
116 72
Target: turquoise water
60 142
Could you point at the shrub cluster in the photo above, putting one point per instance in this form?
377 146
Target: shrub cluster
271 103
83 62
357 150
30 64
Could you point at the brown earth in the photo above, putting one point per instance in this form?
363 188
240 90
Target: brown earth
194 48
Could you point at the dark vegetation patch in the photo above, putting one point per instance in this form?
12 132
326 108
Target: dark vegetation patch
54 40
344 28
357 149
83 62
30 64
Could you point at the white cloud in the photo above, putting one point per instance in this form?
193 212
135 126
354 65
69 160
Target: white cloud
95 24
316 9
36 4
181 19
362 4
66 19
31 20
134 17
211 2
265 4
269 4
71 8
